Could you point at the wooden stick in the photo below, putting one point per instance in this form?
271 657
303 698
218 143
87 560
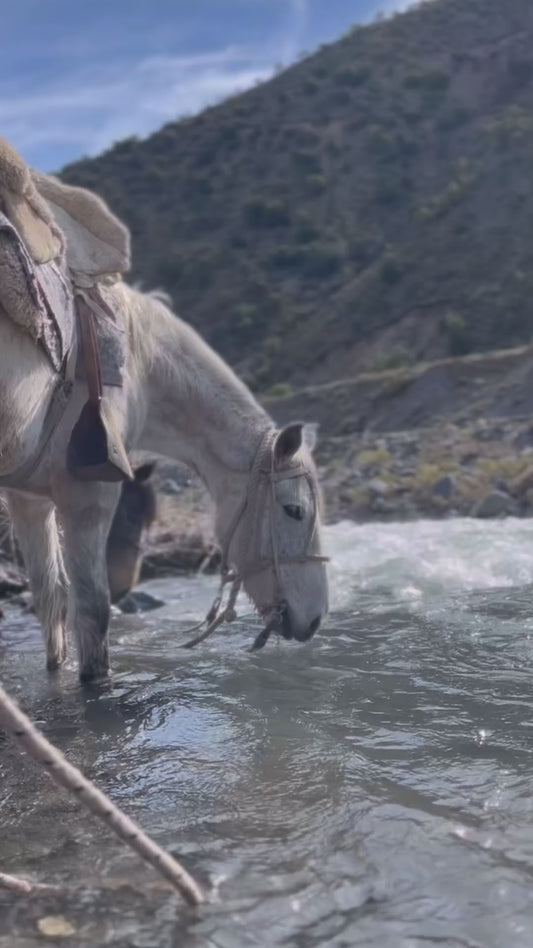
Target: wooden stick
12 884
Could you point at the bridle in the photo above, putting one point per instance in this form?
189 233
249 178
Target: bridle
263 476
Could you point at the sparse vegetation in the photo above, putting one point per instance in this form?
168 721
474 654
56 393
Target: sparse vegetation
395 358
426 476
374 457
374 175
281 390
459 339
262 212
391 268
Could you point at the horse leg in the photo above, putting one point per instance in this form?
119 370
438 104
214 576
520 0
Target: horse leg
35 525
86 511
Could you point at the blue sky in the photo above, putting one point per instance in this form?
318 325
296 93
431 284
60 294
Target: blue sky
77 75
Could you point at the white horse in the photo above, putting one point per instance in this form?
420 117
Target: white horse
180 400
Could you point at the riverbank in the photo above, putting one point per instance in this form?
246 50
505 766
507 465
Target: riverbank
481 469
451 437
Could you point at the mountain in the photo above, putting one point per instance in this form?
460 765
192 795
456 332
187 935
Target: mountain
367 208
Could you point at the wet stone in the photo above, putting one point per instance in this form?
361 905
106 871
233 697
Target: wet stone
12 579
444 487
138 601
495 504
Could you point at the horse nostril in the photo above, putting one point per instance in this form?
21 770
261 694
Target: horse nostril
315 624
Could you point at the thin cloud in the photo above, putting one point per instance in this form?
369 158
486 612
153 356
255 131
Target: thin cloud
90 113
83 110
165 88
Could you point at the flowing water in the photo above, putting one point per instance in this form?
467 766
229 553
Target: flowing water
374 787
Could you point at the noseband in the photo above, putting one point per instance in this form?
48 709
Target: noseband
262 475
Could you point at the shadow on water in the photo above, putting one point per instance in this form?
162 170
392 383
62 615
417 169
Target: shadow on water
370 788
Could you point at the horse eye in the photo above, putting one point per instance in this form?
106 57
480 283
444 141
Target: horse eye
294 511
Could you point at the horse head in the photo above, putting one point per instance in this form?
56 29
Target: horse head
273 541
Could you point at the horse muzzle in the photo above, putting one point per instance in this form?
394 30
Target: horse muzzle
290 631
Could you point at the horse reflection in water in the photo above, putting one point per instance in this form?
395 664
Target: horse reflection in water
135 513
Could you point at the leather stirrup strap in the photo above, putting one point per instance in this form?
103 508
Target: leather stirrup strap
91 355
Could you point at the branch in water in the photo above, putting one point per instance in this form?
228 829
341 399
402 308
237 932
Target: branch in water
23 732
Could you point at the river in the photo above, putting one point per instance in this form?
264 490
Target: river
371 788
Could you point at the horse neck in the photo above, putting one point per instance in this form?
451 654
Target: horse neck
198 411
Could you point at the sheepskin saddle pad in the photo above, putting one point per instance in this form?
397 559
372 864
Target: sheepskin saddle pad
56 240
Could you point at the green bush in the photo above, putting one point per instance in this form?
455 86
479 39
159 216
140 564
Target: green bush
316 183
280 390
310 260
454 117
307 162
513 122
351 76
521 72
390 145
245 314
305 231
272 345
311 86
391 270
264 212
458 335
432 80
453 193
364 249
389 192
238 241
397 358
322 260
286 258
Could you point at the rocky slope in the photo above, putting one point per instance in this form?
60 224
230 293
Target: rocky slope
370 206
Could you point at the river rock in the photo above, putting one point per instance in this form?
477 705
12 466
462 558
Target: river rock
12 579
382 506
139 601
495 504
377 487
444 487
180 553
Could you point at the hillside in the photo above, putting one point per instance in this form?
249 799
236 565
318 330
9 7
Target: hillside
369 207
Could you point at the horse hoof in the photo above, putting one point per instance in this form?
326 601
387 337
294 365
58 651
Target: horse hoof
94 675
54 662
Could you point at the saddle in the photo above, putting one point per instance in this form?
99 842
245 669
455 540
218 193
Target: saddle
60 246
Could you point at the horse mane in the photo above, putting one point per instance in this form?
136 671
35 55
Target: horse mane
158 336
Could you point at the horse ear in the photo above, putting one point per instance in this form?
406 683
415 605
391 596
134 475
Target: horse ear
288 441
145 471
310 435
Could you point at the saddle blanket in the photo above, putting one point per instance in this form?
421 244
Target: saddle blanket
40 299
